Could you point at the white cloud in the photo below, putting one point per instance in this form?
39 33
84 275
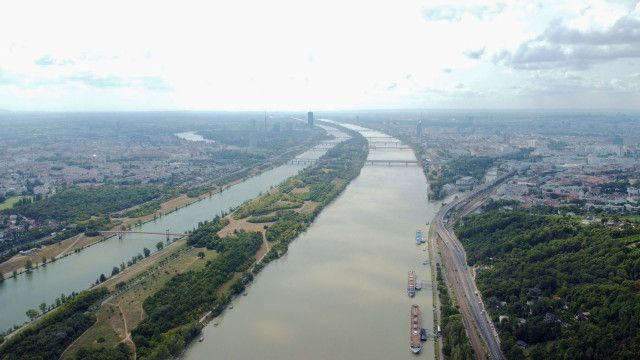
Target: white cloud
286 54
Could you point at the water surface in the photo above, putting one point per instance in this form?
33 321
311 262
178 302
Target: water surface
79 271
340 292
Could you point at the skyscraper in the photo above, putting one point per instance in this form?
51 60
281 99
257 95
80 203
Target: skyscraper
419 131
310 119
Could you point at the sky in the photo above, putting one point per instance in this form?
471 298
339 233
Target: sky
273 55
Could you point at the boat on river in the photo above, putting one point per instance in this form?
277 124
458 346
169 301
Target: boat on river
411 283
419 238
415 341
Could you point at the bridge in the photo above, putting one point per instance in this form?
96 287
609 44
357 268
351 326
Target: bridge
123 232
322 147
374 148
391 162
302 161
386 143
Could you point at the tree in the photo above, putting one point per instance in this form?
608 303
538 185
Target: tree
43 308
102 278
146 252
28 265
32 314
115 271
201 255
44 260
15 273
159 245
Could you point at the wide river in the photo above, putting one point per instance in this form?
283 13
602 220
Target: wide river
340 292
78 271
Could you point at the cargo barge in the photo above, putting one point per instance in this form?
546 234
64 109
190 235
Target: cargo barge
415 340
411 283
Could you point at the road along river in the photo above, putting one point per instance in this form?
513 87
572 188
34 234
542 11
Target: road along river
340 292
78 271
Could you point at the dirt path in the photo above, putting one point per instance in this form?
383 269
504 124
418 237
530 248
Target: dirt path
61 254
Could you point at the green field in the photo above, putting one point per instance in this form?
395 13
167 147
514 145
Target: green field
8 203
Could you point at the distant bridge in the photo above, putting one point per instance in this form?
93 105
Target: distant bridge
386 143
389 148
367 162
391 162
322 147
302 161
123 232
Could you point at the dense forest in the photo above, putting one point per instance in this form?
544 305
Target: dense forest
50 336
569 289
174 310
77 204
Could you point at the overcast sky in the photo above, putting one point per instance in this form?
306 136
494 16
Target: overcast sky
322 55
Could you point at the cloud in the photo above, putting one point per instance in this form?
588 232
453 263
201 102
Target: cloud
447 70
112 81
626 30
455 13
474 54
562 47
153 83
391 86
47 60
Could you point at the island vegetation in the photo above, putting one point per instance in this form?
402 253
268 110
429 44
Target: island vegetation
49 336
174 310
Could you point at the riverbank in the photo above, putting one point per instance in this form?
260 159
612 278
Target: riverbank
138 273
344 275
343 162
139 283
16 265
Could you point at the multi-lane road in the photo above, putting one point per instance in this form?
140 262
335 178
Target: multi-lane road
479 327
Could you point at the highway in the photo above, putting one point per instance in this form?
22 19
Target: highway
479 327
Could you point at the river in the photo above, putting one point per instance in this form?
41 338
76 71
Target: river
340 291
78 271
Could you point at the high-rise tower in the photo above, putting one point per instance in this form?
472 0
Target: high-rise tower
310 119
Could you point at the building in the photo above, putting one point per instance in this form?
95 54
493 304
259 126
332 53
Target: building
310 119
465 183
419 132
